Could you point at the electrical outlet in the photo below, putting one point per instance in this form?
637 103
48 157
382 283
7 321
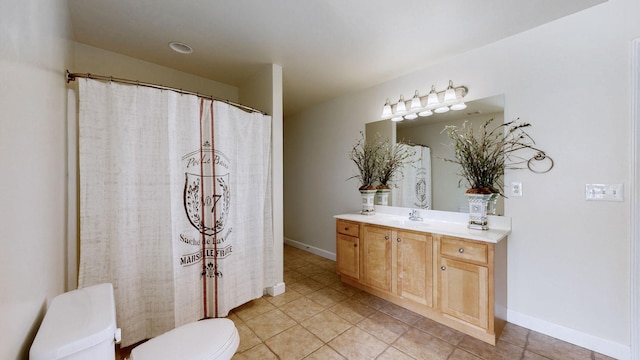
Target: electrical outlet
604 192
516 189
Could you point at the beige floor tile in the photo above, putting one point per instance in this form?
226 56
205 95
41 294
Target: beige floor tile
370 300
459 354
261 352
327 278
291 277
528 355
357 344
555 349
248 338
294 343
345 289
383 326
288 296
306 286
400 313
326 297
270 324
253 308
394 354
309 270
326 325
598 356
301 309
515 334
325 353
421 345
502 351
440 331
352 310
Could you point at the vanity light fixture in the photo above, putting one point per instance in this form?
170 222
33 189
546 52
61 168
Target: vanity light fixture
438 102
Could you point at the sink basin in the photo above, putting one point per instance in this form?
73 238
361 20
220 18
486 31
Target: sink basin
405 223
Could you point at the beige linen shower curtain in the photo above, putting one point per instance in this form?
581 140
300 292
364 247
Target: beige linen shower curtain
175 204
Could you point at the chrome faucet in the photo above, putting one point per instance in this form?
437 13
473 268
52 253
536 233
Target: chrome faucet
414 215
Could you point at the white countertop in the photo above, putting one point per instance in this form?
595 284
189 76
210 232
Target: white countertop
435 222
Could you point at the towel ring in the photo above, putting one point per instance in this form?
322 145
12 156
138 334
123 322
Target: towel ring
540 156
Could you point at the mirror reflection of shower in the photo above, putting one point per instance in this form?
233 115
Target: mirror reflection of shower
427 131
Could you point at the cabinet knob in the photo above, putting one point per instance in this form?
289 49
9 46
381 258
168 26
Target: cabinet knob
386 237
398 239
461 250
346 229
443 268
355 245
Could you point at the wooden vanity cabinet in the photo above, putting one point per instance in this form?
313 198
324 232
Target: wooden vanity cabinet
375 264
413 256
458 282
348 248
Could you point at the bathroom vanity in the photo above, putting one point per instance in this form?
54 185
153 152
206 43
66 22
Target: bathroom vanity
434 266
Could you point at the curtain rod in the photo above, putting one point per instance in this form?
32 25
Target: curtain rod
72 77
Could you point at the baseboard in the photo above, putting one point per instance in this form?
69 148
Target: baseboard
599 345
314 250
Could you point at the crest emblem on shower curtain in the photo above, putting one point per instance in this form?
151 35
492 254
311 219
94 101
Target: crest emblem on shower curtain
206 202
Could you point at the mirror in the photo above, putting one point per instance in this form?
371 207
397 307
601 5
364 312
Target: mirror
427 131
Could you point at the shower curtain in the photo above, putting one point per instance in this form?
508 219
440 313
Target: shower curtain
175 204
414 188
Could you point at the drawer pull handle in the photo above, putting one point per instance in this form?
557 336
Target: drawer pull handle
398 239
346 229
443 268
355 245
461 250
386 237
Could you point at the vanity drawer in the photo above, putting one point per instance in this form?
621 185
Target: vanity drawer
465 250
348 228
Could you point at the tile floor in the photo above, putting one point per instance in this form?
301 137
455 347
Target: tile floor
318 317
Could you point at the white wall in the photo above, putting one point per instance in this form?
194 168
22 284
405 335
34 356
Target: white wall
34 51
569 269
98 61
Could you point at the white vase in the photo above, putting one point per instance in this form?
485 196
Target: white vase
368 207
382 197
478 206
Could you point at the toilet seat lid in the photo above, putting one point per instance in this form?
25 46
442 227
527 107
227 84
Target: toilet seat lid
199 340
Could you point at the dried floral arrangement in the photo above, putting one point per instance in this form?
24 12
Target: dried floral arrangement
485 154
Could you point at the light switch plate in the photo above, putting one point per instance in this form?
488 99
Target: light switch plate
604 192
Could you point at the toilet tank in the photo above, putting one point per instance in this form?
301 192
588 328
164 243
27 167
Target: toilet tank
79 324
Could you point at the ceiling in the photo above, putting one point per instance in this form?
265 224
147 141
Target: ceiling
326 48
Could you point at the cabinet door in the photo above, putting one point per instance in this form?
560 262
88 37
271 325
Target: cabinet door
415 267
464 291
348 255
376 257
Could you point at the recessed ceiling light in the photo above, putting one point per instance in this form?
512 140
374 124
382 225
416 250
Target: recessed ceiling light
181 48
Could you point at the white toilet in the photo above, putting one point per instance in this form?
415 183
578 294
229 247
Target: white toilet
81 324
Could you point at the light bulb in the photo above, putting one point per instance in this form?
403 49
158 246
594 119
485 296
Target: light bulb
432 98
386 109
415 101
425 113
411 116
441 109
401 106
450 94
